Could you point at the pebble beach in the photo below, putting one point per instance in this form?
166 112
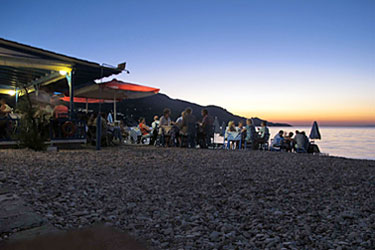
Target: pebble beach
174 198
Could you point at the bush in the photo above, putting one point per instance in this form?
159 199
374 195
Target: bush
30 132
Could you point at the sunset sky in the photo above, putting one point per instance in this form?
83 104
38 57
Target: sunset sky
284 61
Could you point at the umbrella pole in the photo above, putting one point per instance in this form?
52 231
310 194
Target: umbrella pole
99 127
114 108
87 106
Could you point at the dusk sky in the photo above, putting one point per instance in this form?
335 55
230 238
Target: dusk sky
284 61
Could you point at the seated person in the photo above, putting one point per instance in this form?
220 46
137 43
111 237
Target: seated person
124 129
4 108
241 129
61 111
91 127
288 143
251 135
264 133
104 135
165 121
278 140
165 124
231 128
145 130
301 142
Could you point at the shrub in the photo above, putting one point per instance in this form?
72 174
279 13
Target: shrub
30 132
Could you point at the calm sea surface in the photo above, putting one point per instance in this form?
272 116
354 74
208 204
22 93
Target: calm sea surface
351 142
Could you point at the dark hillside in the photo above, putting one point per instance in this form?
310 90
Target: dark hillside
154 105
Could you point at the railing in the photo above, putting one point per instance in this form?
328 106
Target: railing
55 130
67 129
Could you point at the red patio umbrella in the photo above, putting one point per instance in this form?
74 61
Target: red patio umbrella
115 90
83 100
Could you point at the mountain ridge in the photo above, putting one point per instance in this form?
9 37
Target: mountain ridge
147 107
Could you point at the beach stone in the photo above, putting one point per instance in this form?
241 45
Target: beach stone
214 236
3 176
200 199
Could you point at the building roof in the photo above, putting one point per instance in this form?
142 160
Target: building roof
23 65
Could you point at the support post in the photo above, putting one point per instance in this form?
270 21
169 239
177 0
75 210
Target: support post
17 96
114 109
70 79
98 131
99 125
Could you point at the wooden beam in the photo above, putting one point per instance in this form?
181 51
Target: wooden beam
34 63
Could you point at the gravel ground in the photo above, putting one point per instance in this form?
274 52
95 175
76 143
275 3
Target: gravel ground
202 199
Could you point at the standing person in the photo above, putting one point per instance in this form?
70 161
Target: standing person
104 129
189 121
180 130
179 119
205 129
155 129
155 123
251 134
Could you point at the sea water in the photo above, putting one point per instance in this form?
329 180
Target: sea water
350 142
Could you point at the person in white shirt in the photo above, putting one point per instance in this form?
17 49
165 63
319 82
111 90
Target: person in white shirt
155 123
264 133
109 118
155 128
278 140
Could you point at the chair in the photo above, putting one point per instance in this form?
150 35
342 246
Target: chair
274 147
264 144
248 144
231 138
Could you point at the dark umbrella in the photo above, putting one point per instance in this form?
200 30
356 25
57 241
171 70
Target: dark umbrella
216 126
223 127
314 133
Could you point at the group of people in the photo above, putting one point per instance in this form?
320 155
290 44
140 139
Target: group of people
298 142
247 134
186 131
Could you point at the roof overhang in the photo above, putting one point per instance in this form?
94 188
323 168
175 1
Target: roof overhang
23 66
